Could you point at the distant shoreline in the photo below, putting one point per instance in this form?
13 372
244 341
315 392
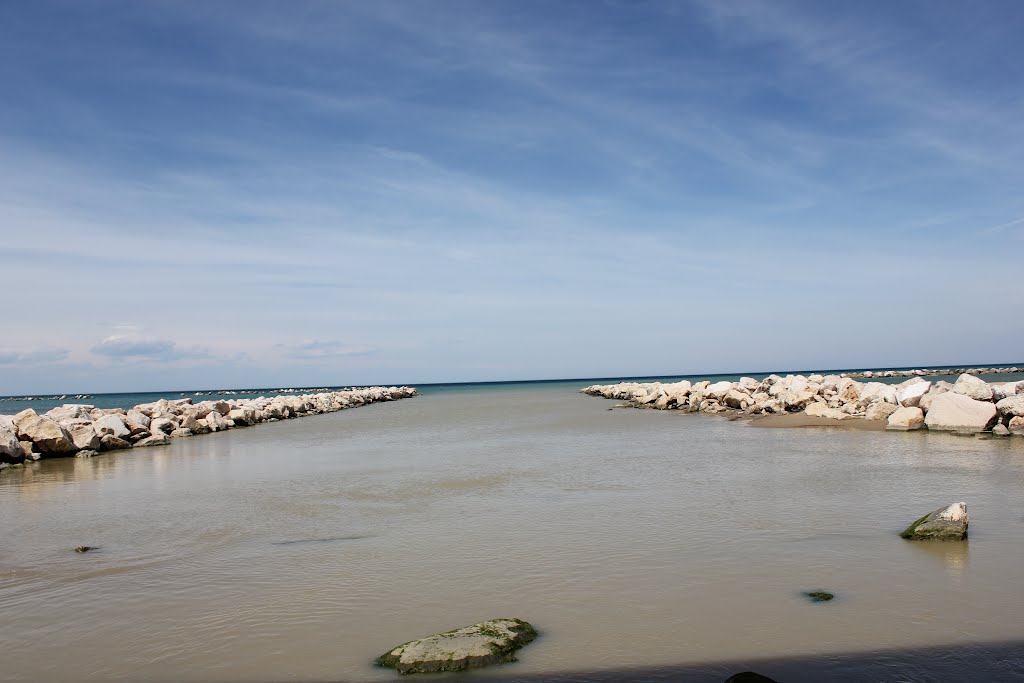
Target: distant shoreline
876 373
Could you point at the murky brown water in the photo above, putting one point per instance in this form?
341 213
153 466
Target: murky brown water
298 551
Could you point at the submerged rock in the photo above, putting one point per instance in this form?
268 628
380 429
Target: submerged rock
85 548
945 524
489 642
819 596
749 677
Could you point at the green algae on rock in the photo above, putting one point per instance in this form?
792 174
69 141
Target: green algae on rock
819 596
945 524
488 642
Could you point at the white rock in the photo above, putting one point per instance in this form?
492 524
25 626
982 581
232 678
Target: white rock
1016 425
906 418
819 409
957 412
137 420
162 424
84 436
111 424
217 422
718 390
972 387
1012 405
46 435
880 410
157 439
10 447
909 396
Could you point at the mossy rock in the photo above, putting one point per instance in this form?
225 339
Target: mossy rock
488 642
945 524
819 596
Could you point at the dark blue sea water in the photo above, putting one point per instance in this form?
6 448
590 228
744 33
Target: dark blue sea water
42 403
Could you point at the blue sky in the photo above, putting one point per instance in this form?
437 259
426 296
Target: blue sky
250 194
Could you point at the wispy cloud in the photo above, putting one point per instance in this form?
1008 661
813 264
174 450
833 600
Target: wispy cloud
322 349
32 356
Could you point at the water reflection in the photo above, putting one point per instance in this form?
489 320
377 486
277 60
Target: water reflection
953 554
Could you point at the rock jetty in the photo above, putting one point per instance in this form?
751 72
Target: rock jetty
82 430
932 372
970 405
489 642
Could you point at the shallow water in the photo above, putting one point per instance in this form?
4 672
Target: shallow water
300 550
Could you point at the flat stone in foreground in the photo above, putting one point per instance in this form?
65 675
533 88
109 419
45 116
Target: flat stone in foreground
945 524
489 642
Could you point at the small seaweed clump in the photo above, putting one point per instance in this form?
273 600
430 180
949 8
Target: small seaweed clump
819 596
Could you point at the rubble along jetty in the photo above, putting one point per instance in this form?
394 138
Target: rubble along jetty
83 430
970 405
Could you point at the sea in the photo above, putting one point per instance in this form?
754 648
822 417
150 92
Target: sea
643 545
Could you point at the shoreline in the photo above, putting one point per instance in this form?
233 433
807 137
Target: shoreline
82 430
968 406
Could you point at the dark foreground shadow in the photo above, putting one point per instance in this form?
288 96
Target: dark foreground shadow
995 662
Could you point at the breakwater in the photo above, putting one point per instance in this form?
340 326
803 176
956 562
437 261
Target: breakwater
84 430
969 405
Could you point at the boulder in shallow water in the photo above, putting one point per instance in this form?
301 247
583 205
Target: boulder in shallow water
157 439
880 410
84 436
489 642
954 412
1016 425
945 524
47 435
1011 405
906 419
111 424
749 677
109 442
10 447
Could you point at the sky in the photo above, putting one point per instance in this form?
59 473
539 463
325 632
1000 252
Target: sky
256 194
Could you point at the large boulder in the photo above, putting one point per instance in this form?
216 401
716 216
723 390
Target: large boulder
162 424
945 524
489 642
113 425
736 399
955 412
109 442
1012 405
10 447
910 394
1004 389
157 439
48 436
1016 425
819 409
217 422
137 420
84 436
69 412
972 387
905 419
718 390
880 410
